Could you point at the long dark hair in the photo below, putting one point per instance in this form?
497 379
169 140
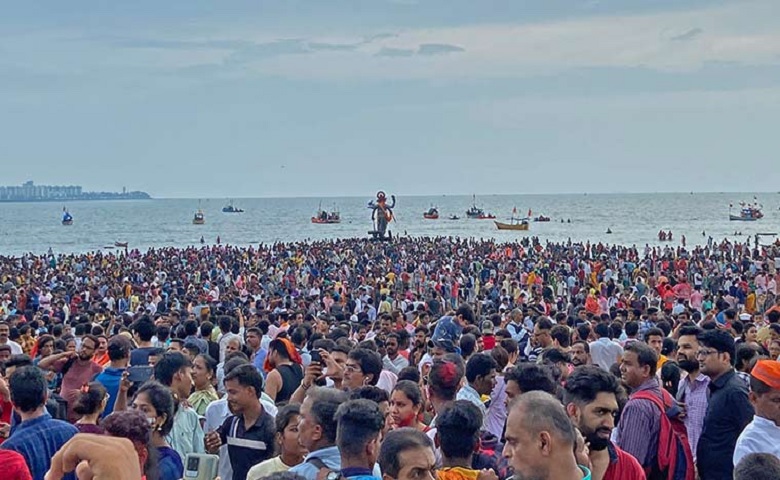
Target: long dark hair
90 398
133 425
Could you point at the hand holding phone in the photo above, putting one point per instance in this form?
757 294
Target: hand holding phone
139 374
200 466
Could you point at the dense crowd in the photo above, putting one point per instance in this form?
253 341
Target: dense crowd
456 359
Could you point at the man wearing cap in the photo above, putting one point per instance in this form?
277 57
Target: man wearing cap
762 435
488 338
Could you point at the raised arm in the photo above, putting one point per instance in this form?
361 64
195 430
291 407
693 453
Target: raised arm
56 362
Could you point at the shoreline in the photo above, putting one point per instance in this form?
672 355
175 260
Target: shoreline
406 240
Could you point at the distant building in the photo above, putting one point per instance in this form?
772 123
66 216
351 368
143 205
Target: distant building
29 192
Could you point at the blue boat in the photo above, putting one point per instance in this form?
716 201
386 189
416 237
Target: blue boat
67 218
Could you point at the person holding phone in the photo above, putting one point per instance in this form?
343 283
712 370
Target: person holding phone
111 377
250 432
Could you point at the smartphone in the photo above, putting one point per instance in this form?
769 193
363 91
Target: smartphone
139 374
201 466
316 357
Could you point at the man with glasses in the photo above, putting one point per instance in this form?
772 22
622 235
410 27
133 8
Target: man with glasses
729 409
540 340
363 367
77 369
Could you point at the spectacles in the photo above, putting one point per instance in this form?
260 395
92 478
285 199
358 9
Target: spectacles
705 353
352 368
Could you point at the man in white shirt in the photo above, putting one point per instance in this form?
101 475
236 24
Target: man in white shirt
5 330
604 352
393 361
762 435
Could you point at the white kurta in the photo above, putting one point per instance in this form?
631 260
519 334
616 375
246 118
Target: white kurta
760 436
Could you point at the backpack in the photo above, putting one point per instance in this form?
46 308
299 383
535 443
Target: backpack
675 459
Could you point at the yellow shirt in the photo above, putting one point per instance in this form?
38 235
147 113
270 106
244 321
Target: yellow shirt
266 468
457 473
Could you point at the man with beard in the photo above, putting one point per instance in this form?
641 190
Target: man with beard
393 361
77 369
692 393
729 410
591 402
580 353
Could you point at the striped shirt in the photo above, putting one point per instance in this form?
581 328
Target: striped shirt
38 439
695 395
248 446
640 425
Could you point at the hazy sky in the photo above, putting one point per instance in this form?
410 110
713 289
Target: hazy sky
254 98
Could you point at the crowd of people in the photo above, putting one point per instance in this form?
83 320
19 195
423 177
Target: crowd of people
446 358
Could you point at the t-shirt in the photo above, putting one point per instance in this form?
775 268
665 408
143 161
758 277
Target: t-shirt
77 374
140 356
13 466
248 446
263 469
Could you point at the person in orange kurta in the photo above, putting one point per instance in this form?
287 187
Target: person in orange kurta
592 304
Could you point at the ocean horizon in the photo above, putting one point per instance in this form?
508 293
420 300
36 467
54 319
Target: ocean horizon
633 218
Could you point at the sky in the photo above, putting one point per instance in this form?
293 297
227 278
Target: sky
270 98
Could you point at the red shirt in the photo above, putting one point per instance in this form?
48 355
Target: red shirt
6 408
13 466
622 466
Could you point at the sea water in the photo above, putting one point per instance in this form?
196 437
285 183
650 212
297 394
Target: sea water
634 219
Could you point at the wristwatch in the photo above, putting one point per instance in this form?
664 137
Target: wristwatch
333 476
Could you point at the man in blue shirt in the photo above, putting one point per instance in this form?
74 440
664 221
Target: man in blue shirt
357 436
450 328
119 356
317 432
39 436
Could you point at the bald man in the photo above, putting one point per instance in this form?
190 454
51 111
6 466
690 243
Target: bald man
540 439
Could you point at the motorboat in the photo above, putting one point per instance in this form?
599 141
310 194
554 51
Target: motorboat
477 213
120 244
431 214
230 208
199 218
324 217
541 218
454 217
747 212
474 211
67 218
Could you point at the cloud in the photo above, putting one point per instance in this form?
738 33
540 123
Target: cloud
177 44
688 36
394 52
379 36
332 47
265 50
438 49
747 37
